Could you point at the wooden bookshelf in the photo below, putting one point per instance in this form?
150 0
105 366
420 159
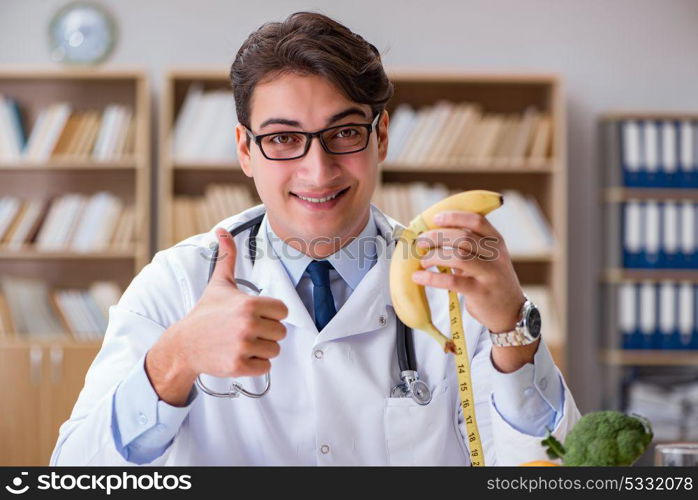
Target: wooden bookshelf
45 375
496 93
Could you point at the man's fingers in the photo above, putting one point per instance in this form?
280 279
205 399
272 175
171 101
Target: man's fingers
446 281
446 257
257 366
262 348
271 329
467 220
271 308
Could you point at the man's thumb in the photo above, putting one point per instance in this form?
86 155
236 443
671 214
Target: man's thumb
225 261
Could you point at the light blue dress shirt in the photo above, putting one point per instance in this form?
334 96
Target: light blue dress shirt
529 399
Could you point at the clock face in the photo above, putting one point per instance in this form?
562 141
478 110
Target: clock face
82 33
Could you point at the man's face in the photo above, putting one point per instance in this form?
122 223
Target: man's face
309 103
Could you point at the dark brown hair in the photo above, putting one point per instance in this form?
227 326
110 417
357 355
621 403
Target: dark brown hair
311 44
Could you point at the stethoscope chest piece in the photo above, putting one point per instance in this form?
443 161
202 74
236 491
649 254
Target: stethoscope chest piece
412 387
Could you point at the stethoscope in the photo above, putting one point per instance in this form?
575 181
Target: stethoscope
410 385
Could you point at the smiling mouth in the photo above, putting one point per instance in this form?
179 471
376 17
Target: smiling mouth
322 199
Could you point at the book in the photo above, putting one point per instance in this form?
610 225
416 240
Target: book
539 152
9 209
28 223
30 307
401 122
11 132
186 121
521 139
66 137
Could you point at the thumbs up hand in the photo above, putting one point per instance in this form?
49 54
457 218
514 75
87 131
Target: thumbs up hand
226 334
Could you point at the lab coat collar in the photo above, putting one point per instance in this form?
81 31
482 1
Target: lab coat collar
364 310
269 274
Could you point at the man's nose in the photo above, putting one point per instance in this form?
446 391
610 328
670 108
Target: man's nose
318 166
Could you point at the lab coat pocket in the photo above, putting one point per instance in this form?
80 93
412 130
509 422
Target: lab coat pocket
422 435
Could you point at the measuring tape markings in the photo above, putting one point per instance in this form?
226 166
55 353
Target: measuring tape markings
465 383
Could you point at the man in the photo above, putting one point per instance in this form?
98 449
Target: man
310 98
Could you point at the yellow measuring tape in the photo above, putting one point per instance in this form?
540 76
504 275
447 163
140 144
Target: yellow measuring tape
465 383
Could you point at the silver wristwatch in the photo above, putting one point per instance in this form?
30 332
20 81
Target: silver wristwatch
526 331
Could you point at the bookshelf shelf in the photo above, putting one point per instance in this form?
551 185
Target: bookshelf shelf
622 275
648 114
55 341
620 195
541 258
400 168
515 169
650 358
72 165
32 253
208 165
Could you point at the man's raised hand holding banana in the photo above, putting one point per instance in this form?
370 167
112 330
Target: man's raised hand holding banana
482 272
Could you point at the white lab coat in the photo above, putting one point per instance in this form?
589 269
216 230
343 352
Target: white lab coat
329 402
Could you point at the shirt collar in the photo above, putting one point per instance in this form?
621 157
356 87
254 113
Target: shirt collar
352 261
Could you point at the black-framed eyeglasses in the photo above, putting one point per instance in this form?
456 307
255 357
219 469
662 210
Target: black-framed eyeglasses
338 140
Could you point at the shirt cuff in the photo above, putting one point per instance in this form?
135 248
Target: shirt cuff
142 420
531 398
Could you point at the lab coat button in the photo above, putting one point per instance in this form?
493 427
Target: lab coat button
382 320
324 449
543 383
142 419
318 354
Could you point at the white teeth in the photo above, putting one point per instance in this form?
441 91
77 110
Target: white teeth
319 200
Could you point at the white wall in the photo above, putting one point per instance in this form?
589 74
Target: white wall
612 54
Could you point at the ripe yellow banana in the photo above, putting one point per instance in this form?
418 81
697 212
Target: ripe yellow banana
409 298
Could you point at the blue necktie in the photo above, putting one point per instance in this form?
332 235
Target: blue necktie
323 302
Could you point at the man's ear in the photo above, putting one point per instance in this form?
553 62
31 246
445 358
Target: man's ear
243 149
383 136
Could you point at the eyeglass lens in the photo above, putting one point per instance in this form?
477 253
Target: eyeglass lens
339 140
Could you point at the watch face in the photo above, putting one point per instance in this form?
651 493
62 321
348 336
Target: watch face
82 33
533 322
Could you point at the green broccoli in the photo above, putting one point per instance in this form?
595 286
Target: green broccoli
602 438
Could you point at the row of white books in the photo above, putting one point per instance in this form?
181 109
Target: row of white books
454 134
205 126
519 220
73 221
659 153
198 214
62 133
672 408
31 307
660 234
658 315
